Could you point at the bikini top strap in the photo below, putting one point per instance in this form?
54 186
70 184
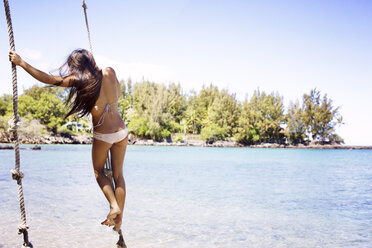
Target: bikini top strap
107 108
102 118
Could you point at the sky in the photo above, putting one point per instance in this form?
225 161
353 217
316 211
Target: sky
289 47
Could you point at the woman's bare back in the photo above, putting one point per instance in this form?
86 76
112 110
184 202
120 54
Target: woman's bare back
106 118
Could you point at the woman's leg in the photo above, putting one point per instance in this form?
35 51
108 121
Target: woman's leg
117 159
99 154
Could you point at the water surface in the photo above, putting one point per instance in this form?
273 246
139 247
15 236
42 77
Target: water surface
194 197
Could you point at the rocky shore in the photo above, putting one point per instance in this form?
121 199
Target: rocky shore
6 137
6 140
220 143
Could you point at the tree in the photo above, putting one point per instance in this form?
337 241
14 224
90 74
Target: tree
156 110
126 99
6 104
223 112
44 104
296 127
176 101
160 107
265 115
321 117
196 113
246 132
212 133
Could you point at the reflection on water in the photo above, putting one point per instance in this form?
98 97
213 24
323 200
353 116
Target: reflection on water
194 197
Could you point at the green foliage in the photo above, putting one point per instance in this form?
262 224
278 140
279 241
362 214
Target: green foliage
6 104
223 112
138 126
174 127
246 132
212 133
296 127
155 111
42 105
335 138
154 131
64 130
38 103
261 119
165 134
196 115
178 139
320 117
125 99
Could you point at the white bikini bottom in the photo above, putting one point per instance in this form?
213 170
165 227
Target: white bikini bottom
111 138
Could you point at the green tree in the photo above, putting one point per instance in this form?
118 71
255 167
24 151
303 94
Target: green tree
126 99
196 114
321 117
212 133
176 101
223 112
6 104
265 115
246 132
296 127
44 104
160 107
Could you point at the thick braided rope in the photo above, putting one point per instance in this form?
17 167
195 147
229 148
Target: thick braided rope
108 168
121 242
86 24
17 175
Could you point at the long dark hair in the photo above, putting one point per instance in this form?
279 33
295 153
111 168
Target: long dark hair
86 85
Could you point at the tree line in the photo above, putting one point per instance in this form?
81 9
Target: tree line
156 111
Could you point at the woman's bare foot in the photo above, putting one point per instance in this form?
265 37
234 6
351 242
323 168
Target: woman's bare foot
114 212
117 223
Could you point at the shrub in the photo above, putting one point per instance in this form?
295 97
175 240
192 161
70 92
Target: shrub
178 139
138 126
165 134
212 133
64 130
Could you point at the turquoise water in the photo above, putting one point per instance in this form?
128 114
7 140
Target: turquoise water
194 197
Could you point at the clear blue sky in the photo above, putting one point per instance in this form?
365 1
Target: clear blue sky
285 46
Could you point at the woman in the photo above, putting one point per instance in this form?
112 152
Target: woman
94 91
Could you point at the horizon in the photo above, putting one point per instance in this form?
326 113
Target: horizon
288 47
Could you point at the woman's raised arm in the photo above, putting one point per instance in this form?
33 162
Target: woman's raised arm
39 75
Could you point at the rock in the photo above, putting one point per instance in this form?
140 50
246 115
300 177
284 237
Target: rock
24 138
36 147
223 143
195 143
82 139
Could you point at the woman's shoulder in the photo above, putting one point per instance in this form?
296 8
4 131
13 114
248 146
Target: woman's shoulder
109 75
108 71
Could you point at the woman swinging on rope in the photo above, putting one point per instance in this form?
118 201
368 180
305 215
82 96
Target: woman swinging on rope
94 91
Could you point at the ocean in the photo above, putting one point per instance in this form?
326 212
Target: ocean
193 197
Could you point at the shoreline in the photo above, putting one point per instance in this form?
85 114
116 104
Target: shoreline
6 143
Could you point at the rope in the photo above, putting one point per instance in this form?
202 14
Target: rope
108 170
121 242
86 24
16 174
108 167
